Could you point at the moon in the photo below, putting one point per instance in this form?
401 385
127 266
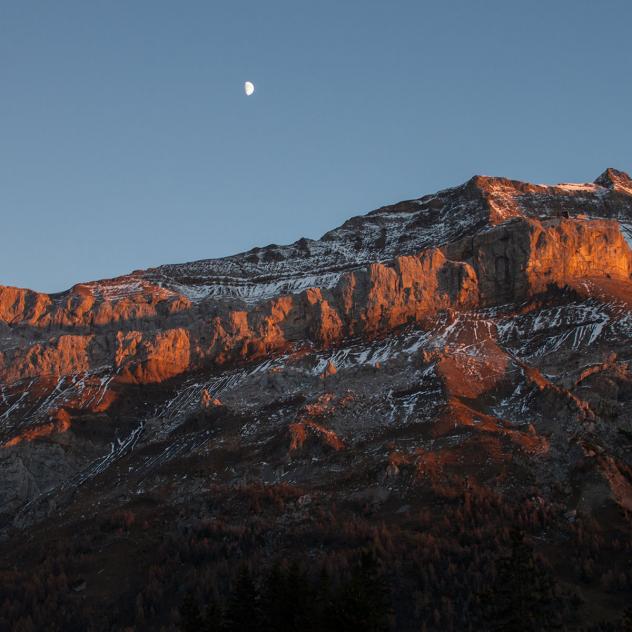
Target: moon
249 88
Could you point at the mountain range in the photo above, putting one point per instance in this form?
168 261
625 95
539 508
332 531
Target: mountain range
447 368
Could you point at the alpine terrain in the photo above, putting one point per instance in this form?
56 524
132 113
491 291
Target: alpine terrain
420 421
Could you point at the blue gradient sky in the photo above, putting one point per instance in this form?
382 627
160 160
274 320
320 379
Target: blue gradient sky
126 140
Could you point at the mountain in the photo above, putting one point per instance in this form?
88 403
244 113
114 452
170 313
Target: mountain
445 366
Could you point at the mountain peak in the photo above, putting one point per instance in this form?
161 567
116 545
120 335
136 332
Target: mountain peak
614 179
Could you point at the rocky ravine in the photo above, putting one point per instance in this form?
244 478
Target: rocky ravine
493 317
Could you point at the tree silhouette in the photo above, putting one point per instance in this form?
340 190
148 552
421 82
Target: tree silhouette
273 599
190 616
287 600
522 596
363 603
242 613
212 617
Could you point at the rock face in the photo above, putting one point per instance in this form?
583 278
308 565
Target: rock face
522 258
465 354
473 307
507 263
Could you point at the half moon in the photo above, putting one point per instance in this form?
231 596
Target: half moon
249 88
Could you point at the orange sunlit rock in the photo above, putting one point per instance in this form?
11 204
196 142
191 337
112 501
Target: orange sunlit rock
147 359
67 354
330 369
208 401
300 431
60 423
509 262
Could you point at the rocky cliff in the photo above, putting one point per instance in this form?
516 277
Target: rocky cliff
145 330
480 332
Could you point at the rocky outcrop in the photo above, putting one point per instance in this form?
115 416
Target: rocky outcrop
615 180
61 355
101 304
147 359
508 263
141 330
22 306
365 302
524 257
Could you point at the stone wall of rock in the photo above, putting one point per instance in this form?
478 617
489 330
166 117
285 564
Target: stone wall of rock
504 264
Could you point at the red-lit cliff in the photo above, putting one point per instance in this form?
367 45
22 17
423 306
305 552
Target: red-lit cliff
482 332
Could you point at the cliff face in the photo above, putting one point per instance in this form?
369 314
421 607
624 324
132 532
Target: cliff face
522 258
152 334
479 307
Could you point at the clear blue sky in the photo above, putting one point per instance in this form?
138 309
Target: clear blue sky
126 140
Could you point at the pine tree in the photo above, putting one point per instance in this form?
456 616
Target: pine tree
324 615
363 603
212 617
300 598
190 616
522 597
242 613
273 599
287 600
